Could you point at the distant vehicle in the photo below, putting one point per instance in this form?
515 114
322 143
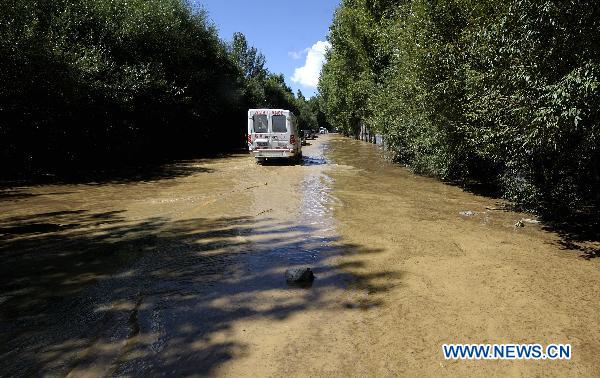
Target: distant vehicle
308 134
273 134
323 130
303 138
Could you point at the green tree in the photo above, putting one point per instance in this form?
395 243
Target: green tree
102 81
261 87
91 81
307 118
500 92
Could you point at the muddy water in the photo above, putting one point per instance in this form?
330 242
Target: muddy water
180 271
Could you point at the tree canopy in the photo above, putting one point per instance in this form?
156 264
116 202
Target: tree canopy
107 81
501 92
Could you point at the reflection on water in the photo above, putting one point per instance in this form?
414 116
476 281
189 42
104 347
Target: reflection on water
313 160
307 236
314 218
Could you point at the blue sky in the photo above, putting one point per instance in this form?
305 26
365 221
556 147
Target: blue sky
291 34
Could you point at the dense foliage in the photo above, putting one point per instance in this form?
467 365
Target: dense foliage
501 92
103 81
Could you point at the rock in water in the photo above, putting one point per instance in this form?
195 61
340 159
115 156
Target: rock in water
299 275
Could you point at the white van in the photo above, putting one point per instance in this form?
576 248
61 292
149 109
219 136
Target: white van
273 133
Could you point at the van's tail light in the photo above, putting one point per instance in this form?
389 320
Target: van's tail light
249 138
292 139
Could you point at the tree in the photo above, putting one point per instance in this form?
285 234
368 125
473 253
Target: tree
500 92
250 61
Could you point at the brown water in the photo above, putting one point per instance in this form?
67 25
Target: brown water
181 272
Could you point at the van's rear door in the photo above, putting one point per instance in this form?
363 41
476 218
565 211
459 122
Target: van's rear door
280 133
260 131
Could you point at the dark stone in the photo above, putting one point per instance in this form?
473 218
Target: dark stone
299 276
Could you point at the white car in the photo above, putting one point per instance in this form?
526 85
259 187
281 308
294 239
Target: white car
273 134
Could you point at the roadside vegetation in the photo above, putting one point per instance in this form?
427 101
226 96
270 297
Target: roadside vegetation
104 82
503 93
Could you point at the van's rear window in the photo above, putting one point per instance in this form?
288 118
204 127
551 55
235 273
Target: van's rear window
261 123
279 124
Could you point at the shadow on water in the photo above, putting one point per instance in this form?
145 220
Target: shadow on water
304 161
168 287
147 172
12 195
280 162
580 233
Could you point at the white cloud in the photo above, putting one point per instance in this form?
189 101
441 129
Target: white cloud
298 54
308 75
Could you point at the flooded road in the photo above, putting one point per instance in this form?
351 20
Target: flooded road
180 271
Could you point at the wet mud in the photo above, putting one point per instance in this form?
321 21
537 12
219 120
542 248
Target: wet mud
184 274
